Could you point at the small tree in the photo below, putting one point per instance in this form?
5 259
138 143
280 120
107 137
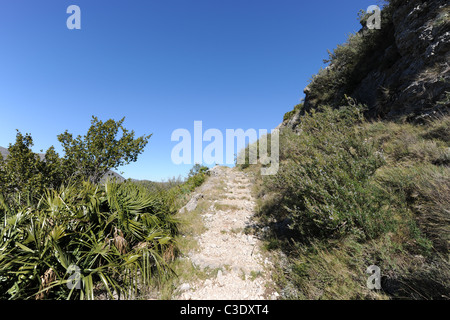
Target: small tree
3 179
21 170
22 163
91 156
52 169
197 169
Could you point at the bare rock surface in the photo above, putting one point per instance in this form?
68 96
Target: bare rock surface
407 76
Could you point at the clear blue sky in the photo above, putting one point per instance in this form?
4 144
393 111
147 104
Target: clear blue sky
162 64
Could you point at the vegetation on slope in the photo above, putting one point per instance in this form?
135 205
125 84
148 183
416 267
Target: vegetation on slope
351 62
64 235
352 193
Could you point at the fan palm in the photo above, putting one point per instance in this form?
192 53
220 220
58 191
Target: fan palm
116 236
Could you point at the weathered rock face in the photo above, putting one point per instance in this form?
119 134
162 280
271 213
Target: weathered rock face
420 74
410 75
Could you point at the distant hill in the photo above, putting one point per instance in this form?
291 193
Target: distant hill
3 152
110 174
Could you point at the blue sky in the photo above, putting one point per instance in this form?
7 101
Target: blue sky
162 64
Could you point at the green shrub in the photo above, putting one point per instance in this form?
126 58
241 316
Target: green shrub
290 114
119 236
24 172
386 187
325 179
197 169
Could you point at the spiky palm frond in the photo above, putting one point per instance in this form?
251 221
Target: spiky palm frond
116 236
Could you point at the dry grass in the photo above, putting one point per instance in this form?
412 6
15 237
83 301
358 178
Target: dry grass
225 207
46 281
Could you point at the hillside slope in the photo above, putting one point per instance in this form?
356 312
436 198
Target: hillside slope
364 177
400 72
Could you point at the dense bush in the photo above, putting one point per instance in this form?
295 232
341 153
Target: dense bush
117 235
351 193
57 219
325 180
25 173
288 115
87 157
196 176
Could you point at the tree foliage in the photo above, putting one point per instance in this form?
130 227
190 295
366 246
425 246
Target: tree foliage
325 177
24 173
100 150
57 219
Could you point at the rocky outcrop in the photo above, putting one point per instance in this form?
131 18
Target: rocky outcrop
419 76
408 77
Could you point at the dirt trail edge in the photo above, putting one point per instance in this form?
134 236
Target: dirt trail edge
241 268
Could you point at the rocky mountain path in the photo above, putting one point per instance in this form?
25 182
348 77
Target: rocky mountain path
241 269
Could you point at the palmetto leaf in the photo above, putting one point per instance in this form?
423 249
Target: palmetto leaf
116 236
24 248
